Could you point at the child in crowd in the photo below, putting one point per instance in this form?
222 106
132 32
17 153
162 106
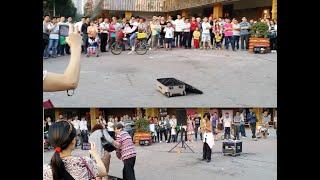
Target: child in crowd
62 47
126 152
218 38
174 133
169 30
196 37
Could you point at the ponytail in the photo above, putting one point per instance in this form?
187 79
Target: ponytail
57 166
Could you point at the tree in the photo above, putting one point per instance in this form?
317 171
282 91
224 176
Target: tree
62 7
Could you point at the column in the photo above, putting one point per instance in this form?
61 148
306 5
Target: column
217 10
185 13
128 15
56 114
258 112
274 9
94 114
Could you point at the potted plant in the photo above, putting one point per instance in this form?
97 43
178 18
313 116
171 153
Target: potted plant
259 36
142 131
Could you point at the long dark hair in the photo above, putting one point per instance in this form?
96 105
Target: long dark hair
61 135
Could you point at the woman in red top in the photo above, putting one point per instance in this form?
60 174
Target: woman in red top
193 26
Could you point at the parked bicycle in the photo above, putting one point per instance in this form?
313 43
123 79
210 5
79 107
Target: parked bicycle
141 45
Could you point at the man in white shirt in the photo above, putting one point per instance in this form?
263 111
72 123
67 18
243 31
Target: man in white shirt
84 130
236 35
53 28
76 124
79 24
227 125
242 123
205 36
178 25
104 34
186 34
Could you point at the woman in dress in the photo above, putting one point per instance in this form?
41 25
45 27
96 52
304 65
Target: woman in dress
190 128
208 139
63 164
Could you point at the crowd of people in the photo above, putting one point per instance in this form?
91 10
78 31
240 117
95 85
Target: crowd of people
67 132
196 32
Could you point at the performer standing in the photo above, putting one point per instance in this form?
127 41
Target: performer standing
208 140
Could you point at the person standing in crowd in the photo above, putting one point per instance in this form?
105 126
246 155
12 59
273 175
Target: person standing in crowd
62 40
196 38
84 130
168 128
242 123
163 24
227 33
163 131
244 33
205 36
125 151
173 124
197 126
202 128
48 124
98 131
70 24
128 123
190 128
218 40
235 35
273 35
214 122
133 36
252 119
78 25
169 34
178 26
104 26
193 26
84 34
275 121
226 119
266 118
155 29
208 139
53 38
187 35
45 38
157 129
76 124
236 125
63 164
211 31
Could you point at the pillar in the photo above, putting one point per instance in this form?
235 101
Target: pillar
217 10
128 15
274 9
201 111
94 114
153 112
258 112
185 13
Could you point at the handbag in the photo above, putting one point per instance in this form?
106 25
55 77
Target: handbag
91 175
105 144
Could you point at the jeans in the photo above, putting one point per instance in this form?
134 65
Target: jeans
85 42
228 40
158 136
53 44
186 39
154 41
67 49
190 39
245 42
61 49
161 40
242 130
178 39
84 136
163 132
273 43
211 38
253 129
132 39
128 169
236 131
168 134
227 133
196 131
206 152
235 42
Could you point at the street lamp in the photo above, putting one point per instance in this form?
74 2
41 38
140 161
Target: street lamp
54 8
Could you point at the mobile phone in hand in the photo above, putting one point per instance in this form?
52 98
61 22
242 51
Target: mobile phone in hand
86 146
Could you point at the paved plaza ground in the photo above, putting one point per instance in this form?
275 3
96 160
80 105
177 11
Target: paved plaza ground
258 161
227 79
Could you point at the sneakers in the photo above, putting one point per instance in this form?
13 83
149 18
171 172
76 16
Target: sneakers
130 52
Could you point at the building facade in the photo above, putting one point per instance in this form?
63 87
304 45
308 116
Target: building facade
252 9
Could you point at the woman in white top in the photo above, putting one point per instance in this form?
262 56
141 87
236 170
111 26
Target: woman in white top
70 78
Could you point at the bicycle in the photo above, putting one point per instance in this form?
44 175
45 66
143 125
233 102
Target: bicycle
118 46
141 45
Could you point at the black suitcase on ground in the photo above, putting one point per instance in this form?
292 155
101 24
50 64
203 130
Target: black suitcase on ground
233 147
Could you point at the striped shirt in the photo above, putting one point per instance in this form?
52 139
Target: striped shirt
126 149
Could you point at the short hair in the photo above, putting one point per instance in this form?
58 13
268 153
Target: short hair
119 126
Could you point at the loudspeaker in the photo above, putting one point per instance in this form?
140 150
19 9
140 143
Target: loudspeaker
181 116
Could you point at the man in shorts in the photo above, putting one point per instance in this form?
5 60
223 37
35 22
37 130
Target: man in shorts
205 37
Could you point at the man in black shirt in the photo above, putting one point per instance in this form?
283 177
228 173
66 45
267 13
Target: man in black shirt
197 125
84 34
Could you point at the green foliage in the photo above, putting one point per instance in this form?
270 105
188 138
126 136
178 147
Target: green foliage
259 30
141 125
63 7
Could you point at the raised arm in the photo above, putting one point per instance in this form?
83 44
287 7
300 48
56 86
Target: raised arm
70 78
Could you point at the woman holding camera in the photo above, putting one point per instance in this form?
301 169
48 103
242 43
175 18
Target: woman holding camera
63 164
